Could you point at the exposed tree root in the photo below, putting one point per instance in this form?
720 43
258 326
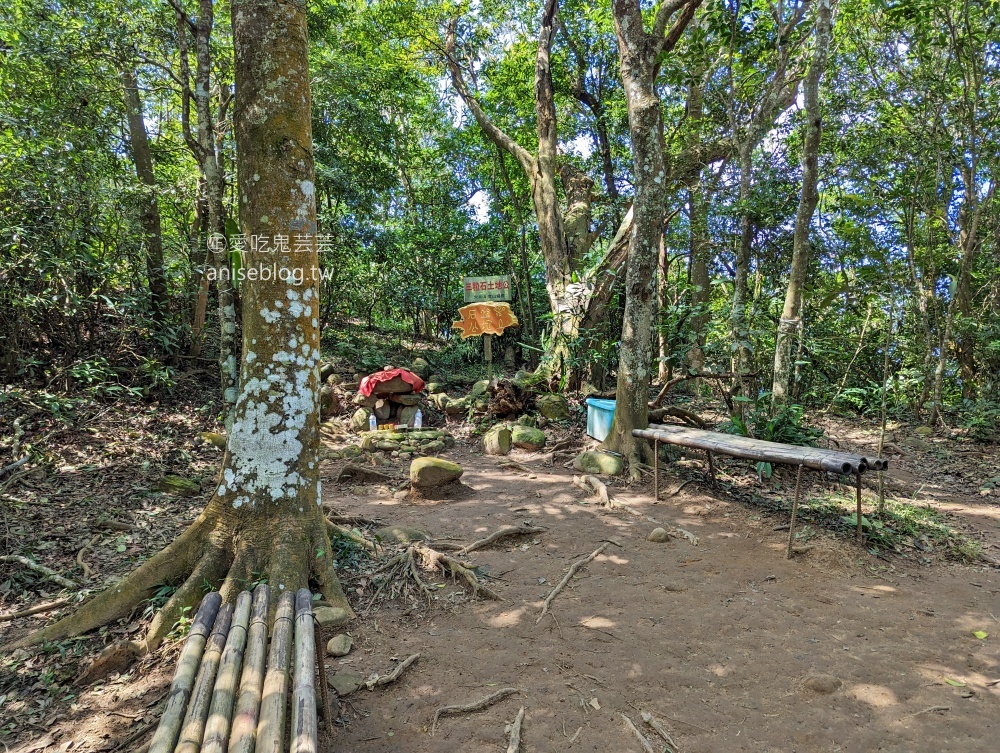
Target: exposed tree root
514 745
593 485
569 575
643 740
37 609
48 572
217 551
416 557
503 533
338 530
474 706
377 681
79 557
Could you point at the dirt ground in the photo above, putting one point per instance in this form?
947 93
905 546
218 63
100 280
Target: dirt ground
729 644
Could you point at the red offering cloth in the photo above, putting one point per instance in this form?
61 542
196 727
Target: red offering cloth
369 383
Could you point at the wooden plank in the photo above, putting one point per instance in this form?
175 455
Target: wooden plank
252 682
271 728
220 713
197 712
165 737
305 733
756 449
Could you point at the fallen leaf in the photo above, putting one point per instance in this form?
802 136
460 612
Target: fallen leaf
981 635
954 683
595 704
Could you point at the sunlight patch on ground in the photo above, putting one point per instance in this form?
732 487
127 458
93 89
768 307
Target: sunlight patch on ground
613 558
877 696
598 622
510 618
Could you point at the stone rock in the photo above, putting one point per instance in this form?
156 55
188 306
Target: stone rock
359 421
822 684
527 420
396 385
213 438
334 379
553 407
408 414
421 368
410 398
455 407
401 534
480 388
345 683
339 645
329 401
599 463
433 388
331 616
436 378
430 473
497 440
528 438
352 451
923 431
383 409
522 379
177 486
365 402
435 445
658 535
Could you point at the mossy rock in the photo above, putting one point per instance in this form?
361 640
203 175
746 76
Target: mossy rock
214 438
455 407
480 388
359 421
401 534
388 446
431 473
527 420
553 407
599 463
421 368
434 388
177 486
408 415
528 438
422 434
497 440
352 451
435 445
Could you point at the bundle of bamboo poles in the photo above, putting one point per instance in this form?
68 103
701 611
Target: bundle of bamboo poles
815 458
225 698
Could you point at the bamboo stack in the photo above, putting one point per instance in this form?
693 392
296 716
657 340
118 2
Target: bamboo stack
767 452
222 700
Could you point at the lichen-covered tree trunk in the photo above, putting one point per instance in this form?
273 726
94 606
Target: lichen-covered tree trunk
639 53
265 517
791 322
149 213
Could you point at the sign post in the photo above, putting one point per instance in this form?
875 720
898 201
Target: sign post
495 288
485 318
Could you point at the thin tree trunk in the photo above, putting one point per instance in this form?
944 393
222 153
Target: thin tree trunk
639 54
149 216
699 246
791 321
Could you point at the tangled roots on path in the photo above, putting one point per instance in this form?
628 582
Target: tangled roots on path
210 554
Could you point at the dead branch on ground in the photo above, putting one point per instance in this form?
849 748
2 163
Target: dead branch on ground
569 575
474 706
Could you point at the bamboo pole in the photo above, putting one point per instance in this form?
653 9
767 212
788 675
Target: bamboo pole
165 737
248 702
220 713
197 712
795 512
271 727
756 449
304 723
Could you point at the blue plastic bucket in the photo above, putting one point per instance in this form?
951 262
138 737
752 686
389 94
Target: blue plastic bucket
600 414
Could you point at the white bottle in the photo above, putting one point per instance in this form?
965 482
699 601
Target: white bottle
372 422
418 420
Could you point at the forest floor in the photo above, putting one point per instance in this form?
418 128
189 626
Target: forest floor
729 644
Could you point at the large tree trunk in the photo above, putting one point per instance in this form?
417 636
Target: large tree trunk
149 215
791 321
639 53
700 246
265 516
739 330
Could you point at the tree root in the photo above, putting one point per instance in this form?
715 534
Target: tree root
37 609
515 732
417 557
643 740
214 552
474 706
48 572
569 575
338 530
376 681
79 557
503 533
655 723
593 485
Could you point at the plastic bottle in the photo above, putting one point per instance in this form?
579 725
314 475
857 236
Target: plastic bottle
372 422
418 420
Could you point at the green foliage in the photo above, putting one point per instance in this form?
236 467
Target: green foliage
785 426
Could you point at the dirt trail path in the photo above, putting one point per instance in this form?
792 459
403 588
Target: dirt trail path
731 645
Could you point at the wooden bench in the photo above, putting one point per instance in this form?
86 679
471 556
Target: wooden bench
815 458
225 697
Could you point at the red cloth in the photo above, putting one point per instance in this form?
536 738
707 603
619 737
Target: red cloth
369 382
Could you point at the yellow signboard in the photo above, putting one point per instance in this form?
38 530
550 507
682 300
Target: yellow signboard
484 319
